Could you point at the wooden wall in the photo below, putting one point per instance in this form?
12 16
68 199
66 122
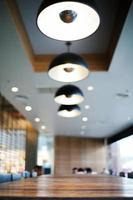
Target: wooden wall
18 140
31 147
78 152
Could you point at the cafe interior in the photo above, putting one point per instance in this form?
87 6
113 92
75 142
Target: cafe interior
66 99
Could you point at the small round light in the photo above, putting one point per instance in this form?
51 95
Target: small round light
83 127
87 107
72 20
37 119
69 95
82 132
90 88
129 118
14 89
28 108
84 119
69 111
43 127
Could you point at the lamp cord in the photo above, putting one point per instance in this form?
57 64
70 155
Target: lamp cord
68 44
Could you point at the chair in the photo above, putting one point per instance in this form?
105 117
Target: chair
88 170
15 177
122 174
130 174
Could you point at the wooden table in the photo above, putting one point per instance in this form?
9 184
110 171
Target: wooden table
82 186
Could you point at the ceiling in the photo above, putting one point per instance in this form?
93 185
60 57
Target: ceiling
25 54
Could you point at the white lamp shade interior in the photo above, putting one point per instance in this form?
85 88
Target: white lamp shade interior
73 99
85 24
58 73
66 113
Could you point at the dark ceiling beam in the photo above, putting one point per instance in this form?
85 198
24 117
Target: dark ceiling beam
118 25
122 134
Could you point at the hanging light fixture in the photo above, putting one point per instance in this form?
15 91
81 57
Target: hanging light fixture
69 111
69 95
68 67
68 20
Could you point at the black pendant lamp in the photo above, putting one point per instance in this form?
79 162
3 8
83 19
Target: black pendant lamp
69 111
68 67
68 20
69 95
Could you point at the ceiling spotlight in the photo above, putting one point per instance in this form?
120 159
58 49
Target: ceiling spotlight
69 111
69 95
82 132
87 107
84 119
28 108
73 20
83 127
43 127
37 119
14 89
68 67
90 88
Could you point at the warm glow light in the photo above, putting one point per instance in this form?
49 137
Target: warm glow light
69 111
69 95
85 119
37 119
58 73
85 23
43 127
74 99
14 89
66 113
28 108
90 88
87 107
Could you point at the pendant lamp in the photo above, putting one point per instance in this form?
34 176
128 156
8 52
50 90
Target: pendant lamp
69 111
68 67
68 20
69 95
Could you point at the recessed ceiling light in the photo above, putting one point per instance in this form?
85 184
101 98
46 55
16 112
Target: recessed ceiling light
87 107
83 127
28 108
82 132
90 88
43 127
84 119
129 118
37 119
14 89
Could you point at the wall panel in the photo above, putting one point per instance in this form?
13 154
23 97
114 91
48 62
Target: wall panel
78 152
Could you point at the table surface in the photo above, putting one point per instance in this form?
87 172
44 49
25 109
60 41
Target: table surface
77 186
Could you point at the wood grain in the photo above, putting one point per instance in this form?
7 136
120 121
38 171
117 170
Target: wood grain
73 152
82 186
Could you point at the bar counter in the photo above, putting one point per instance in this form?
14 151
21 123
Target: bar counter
68 187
